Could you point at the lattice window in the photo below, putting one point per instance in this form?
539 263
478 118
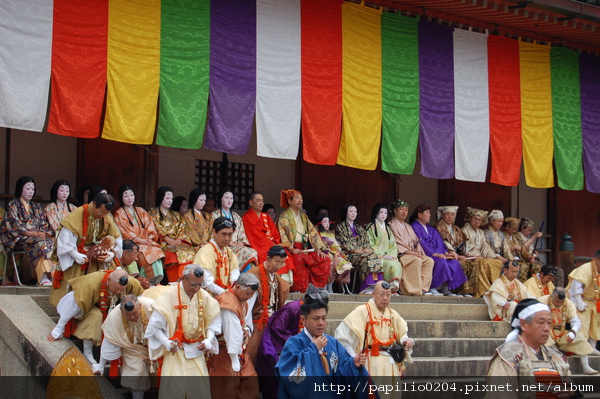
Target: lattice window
213 175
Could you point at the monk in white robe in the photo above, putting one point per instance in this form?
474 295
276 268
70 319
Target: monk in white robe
583 289
185 322
505 293
385 328
124 331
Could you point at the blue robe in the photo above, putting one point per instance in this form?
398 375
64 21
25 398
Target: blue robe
302 375
444 270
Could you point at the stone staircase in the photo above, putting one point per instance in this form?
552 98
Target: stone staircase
454 338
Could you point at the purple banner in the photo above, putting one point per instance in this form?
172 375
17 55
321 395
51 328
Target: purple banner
436 111
232 76
589 76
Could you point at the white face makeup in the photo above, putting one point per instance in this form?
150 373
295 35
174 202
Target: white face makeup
167 200
382 215
63 193
28 191
227 201
128 198
200 202
351 214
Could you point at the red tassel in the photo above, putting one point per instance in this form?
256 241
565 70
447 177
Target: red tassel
375 349
114 368
58 276
70 328
597 306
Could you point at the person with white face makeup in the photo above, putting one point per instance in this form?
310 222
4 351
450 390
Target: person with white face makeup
384 246
59 207
355 243
240 245
137 225
25 228
173 237
196 219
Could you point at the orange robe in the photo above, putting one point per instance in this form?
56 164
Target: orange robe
261 232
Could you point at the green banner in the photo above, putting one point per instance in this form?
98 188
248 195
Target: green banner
400 93
184 72
566 118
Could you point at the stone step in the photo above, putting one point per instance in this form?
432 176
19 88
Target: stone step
454 347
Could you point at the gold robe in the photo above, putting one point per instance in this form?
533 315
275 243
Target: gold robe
499 292
590 319
558 333
536 288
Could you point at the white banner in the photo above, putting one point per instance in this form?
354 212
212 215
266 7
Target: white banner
25 54
278 82
471 104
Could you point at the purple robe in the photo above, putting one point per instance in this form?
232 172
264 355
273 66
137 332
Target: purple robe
444 270
282 325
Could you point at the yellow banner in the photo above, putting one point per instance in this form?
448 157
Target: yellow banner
132 70
536 114
361 92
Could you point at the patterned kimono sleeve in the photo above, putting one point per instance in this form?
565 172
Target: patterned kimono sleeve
241 231
285 230
15 222
313 236
342 233
42 220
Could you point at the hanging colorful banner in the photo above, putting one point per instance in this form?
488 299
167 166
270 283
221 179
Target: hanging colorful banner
400 94
232 98
78 67
321 45
25 54
589 65
278 85
536 111
436 74
133 71
566 118
471 104
504 85
361 90
184 61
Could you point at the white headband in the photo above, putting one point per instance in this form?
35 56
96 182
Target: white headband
528 311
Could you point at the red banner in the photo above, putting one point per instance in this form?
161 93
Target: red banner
321 43
505 110
78 79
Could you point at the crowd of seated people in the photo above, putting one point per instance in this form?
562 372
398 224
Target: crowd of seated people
418 257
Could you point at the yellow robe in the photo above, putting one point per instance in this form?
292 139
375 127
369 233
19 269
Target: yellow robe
495 310
175 364
558 335
379 367
590 319
533 286
207 258
135 357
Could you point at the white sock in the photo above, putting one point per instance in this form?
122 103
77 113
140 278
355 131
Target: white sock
88 347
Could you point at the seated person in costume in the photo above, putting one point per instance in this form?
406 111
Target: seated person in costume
488 267
564 332
527 358
505 293
498 242
312 353
355 245
83 310
340 267
196 220
124 330
25 228
136 225
221 266
525 242
172 234
185 321
416 266
378 330
311 264
260 229
271 295
384 247
247 256
59 207
270 210
180 204
540 284
282 325
88 240
447 273
232 360
455 242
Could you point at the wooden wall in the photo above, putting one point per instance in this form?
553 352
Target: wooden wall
112 164
337 185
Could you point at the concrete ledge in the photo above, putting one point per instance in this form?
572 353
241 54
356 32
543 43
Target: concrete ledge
25 350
